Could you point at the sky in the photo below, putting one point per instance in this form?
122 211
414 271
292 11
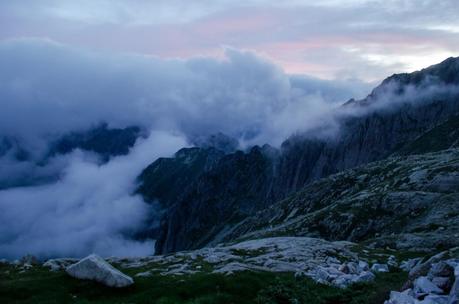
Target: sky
346 39
256 70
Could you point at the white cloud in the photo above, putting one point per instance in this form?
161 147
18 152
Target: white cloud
47 89
90 209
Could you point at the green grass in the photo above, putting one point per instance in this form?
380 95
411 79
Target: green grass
380 255
291 290
42 286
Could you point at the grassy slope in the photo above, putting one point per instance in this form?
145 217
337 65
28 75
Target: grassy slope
42 286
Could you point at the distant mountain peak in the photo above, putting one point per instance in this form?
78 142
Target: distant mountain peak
443 73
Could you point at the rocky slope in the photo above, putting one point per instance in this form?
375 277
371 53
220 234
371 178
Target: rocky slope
275 270
236 187
409 203
404 115
271 270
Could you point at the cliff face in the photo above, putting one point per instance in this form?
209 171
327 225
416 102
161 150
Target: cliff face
360 140
239 185
166 179
397 114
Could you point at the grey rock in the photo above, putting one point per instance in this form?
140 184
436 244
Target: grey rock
410 264
363 266
423 268
52 265
144 274
434 299
441 269
444 283
364 277
323 275
454 293
328 274
379 268
59 264
97 269
344 280
423 285
400 298
392 261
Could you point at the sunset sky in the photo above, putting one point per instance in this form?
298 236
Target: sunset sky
331 39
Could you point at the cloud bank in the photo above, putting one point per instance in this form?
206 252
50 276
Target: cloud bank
47 88
90 209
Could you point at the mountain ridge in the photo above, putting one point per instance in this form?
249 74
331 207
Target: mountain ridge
371 136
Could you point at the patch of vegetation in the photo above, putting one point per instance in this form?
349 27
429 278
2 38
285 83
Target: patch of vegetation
380 255
39 285
294 290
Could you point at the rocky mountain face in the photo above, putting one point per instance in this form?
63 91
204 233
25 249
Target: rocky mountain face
166 179
404 203
407 114
237 186
396 113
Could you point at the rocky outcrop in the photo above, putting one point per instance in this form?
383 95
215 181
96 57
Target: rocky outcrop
434 281
97 269
331 263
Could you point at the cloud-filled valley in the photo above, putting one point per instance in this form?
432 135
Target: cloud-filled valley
90 209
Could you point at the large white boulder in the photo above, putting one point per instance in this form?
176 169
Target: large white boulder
97 269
